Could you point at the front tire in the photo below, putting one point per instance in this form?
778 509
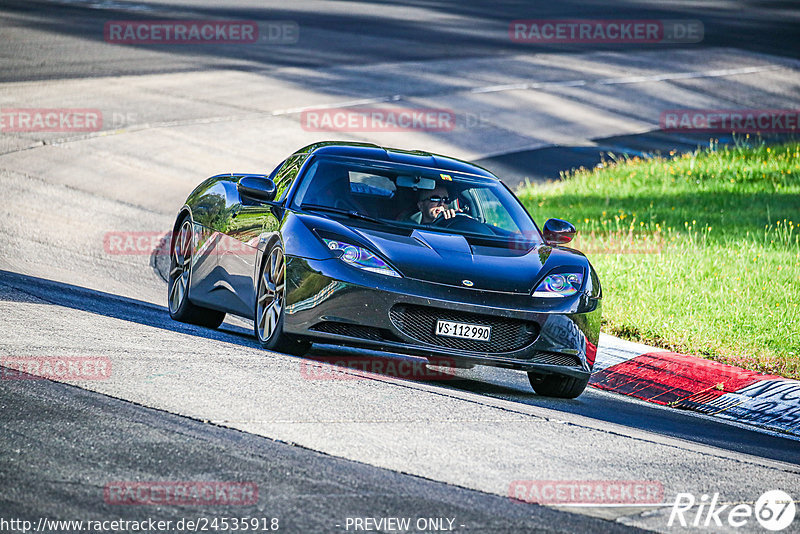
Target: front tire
562 387
180 275
270 301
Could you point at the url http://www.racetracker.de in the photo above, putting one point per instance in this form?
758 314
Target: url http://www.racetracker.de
144 526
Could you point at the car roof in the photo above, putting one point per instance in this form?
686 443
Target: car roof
394 155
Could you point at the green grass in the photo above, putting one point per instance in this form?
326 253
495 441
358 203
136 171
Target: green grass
698 254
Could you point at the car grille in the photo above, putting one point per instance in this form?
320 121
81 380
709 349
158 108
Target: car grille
354 330
507 335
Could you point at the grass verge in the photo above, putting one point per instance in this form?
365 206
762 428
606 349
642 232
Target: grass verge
698 254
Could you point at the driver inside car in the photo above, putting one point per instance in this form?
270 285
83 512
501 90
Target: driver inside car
432 204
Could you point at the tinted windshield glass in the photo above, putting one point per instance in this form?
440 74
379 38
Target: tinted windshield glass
405 196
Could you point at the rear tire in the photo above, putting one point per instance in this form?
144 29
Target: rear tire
180 275
563 387
270 304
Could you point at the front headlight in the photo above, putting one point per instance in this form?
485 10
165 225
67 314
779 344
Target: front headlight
360 257
559 285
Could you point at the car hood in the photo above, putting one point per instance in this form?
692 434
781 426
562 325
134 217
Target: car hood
452 260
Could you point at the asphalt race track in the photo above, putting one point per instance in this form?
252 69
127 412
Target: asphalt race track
184 403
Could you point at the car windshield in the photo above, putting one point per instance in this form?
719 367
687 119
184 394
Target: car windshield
407 196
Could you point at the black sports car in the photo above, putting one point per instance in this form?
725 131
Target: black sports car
402 251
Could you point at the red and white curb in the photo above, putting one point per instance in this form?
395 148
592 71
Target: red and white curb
692 383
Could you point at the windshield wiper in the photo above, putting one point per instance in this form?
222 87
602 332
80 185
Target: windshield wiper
350 213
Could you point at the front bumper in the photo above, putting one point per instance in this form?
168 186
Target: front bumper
329 301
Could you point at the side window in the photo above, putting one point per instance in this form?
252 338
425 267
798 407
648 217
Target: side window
492 209
275 170
287 174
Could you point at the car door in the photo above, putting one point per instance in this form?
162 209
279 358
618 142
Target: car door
250 224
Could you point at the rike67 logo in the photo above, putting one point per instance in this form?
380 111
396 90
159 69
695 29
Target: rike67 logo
774 510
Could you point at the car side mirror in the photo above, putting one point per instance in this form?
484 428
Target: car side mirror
558 232
258 188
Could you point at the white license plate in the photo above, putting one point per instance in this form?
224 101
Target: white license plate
463 330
